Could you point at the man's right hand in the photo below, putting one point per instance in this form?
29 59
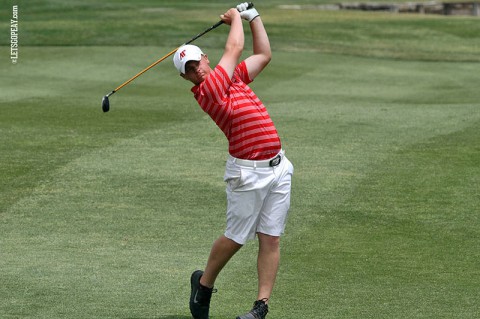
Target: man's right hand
229 16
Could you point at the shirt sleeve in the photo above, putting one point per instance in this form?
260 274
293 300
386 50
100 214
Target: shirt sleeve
242 72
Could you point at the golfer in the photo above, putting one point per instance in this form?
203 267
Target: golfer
257 175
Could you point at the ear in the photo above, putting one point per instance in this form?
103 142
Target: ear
206 59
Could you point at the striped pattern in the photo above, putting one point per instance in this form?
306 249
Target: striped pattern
239 113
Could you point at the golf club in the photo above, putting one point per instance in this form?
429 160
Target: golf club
105 100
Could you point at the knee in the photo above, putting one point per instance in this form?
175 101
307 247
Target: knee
227 242
269 242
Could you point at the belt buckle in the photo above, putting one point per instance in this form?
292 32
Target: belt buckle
275 161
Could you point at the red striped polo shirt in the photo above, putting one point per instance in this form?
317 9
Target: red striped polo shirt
239 113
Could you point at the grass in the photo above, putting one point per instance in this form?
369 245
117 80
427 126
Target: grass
106 215
147 23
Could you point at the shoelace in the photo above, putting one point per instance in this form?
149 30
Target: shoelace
260 308
206 294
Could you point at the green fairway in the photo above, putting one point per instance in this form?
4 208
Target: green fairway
105 215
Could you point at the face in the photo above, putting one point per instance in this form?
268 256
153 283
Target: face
197 71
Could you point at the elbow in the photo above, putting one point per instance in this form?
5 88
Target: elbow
267 57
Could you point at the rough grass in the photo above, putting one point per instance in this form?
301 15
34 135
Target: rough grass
106 215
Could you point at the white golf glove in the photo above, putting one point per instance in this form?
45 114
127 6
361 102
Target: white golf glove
247 14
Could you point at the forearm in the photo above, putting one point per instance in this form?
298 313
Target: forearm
261 43
236 39
262 54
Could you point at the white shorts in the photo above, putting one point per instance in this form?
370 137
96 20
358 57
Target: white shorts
258 197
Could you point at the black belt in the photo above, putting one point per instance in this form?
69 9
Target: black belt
263 163
275 161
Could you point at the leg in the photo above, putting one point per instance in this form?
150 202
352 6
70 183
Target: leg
267 264
202 282
272 221
222 250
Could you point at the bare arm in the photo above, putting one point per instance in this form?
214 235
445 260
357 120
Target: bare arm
262 53
235 41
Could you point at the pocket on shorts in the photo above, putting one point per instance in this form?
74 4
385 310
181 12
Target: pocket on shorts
233 176
289 166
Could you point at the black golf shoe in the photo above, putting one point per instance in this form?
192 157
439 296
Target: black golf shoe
199 297
259 311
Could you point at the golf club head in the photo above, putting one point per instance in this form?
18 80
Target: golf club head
105 104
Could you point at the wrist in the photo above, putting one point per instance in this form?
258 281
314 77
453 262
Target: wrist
249 14
254 18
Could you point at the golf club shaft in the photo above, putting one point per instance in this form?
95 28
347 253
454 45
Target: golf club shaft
216 25
219 23
143 71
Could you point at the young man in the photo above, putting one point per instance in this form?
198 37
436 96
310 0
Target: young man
258 175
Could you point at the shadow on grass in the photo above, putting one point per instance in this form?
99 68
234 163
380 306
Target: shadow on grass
164 317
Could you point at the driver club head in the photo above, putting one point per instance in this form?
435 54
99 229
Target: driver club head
105 104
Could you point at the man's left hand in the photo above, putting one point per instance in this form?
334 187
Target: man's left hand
245 13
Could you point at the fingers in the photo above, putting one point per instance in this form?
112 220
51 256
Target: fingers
228 16
242 6
246 13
